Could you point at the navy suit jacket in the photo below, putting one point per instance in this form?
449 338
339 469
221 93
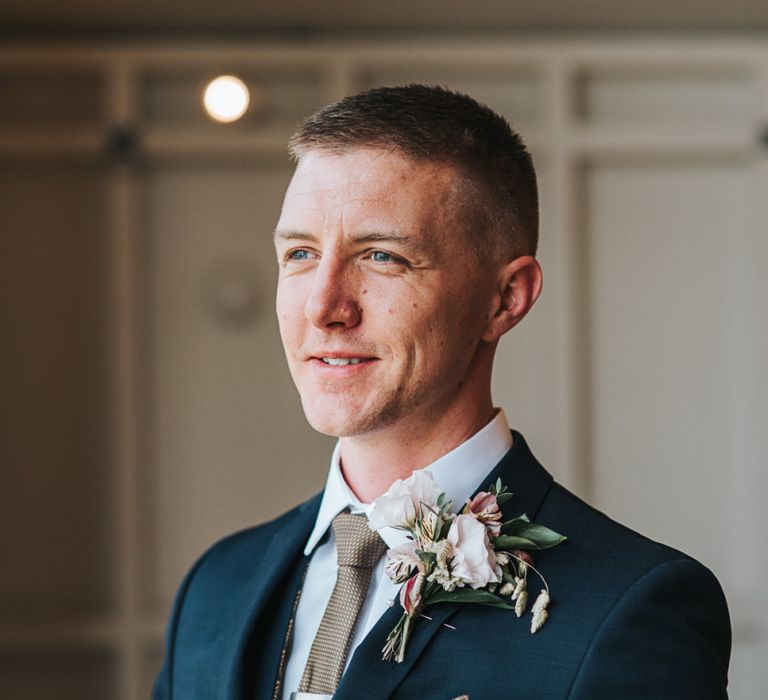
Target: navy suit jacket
629 618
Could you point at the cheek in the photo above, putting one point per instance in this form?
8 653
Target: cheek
453 331
289 318
431 330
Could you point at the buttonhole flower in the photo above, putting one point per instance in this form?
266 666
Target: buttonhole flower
469 557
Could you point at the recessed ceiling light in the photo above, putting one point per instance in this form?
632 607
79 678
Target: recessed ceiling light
226 98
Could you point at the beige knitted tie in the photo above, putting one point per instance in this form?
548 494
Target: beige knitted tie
359 549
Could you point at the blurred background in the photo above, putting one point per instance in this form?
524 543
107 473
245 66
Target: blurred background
146 409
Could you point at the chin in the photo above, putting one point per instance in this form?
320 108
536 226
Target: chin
336 428
340 421
329 419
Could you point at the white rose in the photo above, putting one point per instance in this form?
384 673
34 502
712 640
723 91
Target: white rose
399 505
474 561
393 509
423 489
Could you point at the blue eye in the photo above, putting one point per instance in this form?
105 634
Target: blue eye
298 255
382 257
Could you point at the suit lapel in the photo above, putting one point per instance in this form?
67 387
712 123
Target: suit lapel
379 678
523 476
367 673
283 549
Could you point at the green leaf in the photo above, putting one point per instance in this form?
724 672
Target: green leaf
468 595
504 497
513 542
508 527
499 486
541 536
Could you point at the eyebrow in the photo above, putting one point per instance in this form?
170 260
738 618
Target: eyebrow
372 237
292 236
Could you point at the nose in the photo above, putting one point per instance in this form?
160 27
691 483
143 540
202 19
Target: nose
332 302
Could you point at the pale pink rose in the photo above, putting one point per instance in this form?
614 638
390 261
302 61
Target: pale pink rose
474 561
401 561
408 599
399 505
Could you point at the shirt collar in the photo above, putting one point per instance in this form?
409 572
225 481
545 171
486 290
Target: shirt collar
458 473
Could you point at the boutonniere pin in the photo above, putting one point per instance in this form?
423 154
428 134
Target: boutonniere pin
469 557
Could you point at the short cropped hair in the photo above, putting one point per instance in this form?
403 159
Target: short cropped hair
496 200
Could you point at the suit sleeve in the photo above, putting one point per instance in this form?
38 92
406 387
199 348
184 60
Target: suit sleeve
667 638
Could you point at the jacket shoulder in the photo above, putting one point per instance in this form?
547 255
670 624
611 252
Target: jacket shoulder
629 600
599 537
600 561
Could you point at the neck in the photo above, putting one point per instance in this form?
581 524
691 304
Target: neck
371 463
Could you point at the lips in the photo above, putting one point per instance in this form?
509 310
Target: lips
342 361
336 358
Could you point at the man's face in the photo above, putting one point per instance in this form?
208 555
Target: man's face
380 301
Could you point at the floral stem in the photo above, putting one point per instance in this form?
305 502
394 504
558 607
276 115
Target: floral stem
406 632
531 566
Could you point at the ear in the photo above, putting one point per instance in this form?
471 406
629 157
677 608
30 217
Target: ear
519 288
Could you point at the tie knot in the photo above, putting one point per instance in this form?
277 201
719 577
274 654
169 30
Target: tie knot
356 544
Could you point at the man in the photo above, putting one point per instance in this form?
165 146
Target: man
406 249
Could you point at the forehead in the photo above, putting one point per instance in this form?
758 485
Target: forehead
365 184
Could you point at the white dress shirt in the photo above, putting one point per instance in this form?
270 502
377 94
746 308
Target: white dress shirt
459 473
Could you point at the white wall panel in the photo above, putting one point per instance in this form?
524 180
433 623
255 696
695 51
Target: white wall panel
649 97
661 295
